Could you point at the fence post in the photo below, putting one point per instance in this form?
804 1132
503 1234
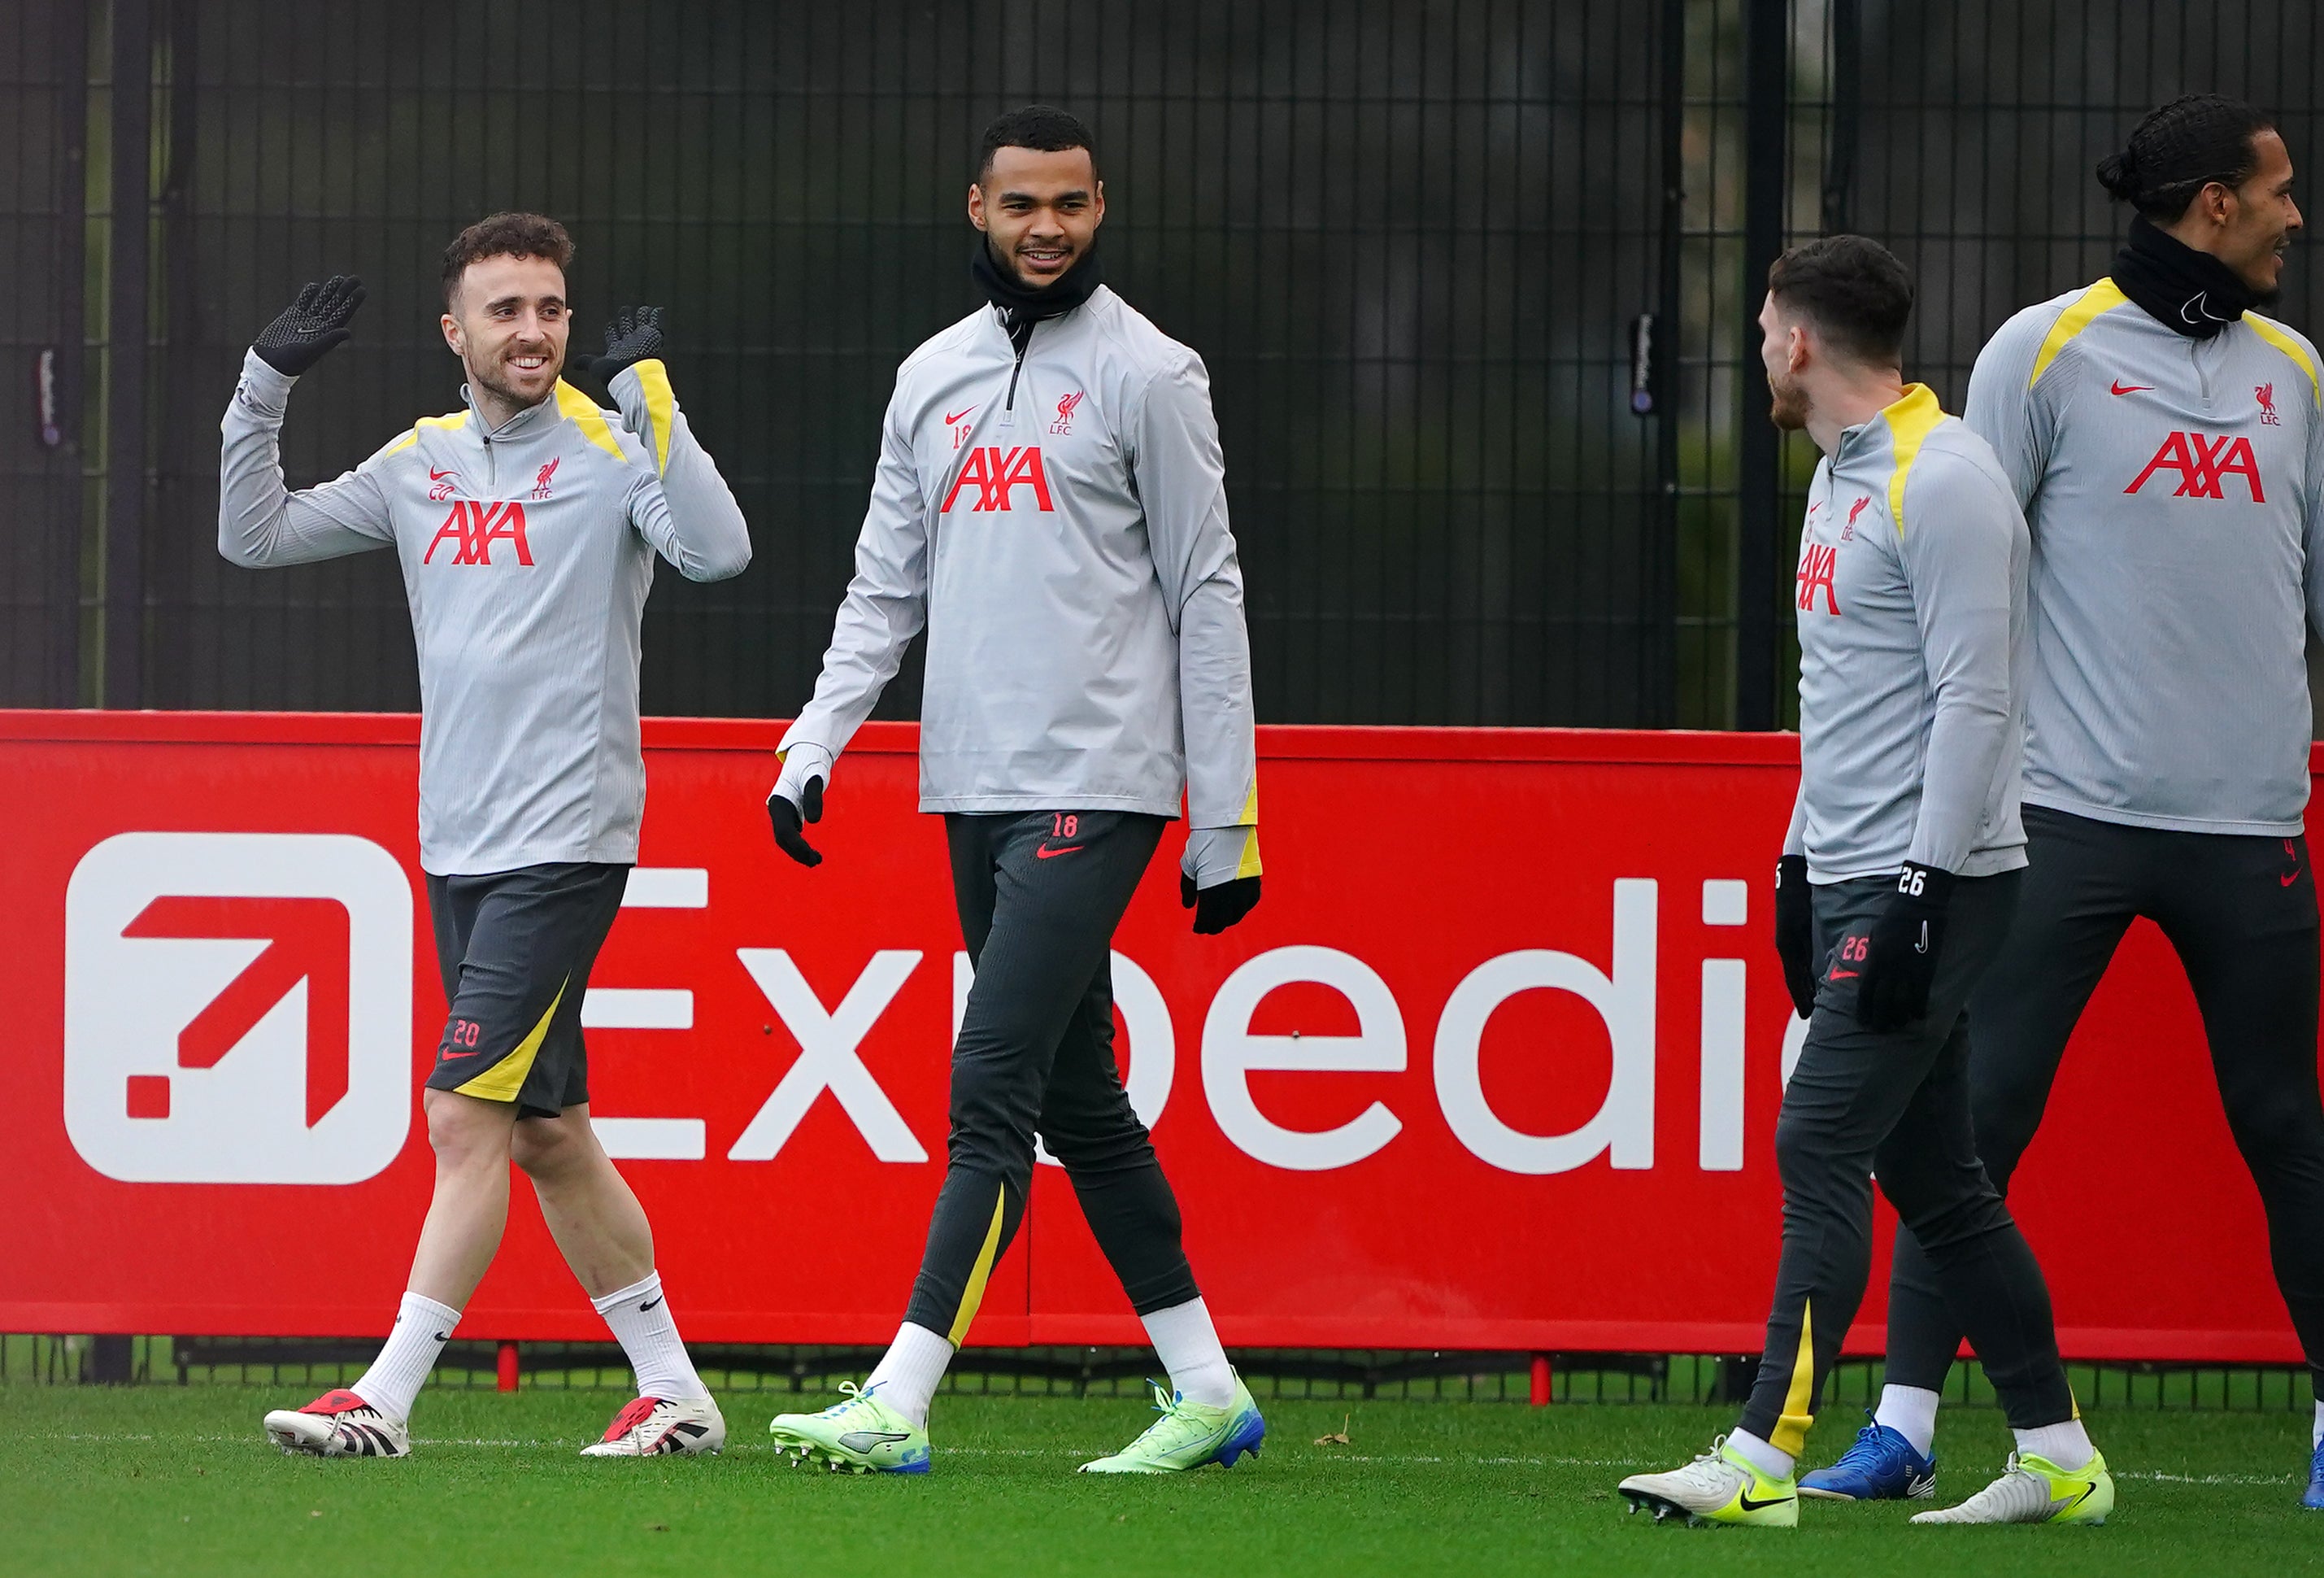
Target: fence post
1767 96
508 1367
129 232
1540 1380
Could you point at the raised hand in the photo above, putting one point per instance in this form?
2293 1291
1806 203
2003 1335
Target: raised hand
312 327
634 336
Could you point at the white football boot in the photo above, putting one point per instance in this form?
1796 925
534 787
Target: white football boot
652 1427
338 1423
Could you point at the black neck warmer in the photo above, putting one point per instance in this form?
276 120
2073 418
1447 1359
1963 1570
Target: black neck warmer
2187 290
1021 305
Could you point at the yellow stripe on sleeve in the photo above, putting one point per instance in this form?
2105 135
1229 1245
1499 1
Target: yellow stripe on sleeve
2103 297
661 407
1910 420
503 1080
1791 1434
581 411
2275 333
973 1294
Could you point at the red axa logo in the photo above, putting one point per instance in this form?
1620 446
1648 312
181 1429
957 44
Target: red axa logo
997 474
1818 564
2204 464
475 526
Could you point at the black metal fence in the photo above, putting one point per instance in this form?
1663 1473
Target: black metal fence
1432 251
307 1365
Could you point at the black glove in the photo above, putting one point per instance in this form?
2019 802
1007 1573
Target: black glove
1796 931
1219 908
311 326
1899 953
787 817
634 336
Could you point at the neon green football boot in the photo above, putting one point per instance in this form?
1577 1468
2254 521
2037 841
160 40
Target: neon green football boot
2033 1489
860 1435
1189 1435
1721 1486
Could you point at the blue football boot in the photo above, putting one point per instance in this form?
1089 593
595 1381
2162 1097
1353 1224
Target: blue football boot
2314 1499
1881 1466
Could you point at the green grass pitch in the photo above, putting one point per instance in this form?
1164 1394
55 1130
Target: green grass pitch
171 1481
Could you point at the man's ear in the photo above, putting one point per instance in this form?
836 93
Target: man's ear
976 204
452 333
1795 348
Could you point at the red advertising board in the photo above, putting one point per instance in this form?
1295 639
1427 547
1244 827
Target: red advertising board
1496 1065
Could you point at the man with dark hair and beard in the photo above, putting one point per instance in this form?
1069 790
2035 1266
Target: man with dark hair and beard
527 526
1050 502
2164 440
1893 894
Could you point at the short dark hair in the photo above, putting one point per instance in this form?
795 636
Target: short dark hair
1853 289
505 235
1039 127
2182 148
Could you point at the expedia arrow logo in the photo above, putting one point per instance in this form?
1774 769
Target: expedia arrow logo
237 1007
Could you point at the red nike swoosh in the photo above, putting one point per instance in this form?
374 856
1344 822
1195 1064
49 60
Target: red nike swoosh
956 416
1046 853
2132 388
436 475
2287 881
1841 975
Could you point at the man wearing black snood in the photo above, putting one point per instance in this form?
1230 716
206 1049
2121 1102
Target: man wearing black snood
1050 504
2164 439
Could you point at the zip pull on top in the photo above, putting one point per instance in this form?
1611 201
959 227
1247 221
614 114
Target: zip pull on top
1021 328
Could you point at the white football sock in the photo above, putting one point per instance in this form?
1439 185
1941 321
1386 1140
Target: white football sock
1188 1346
2065 1443
1761 1456
422 1327
640 1319
906 1376
1911 1411
2316 1436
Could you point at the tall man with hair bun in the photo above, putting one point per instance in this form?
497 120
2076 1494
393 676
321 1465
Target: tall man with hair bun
1894 891
527 526
1051 503
2165 439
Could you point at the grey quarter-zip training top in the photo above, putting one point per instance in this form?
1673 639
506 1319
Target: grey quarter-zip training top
1060 527
2173 485
1911 599
527 554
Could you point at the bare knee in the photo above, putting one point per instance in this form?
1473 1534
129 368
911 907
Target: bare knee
553 1149
467 1132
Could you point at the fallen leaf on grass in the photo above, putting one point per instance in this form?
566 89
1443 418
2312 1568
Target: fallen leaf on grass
658 1527
1338 1438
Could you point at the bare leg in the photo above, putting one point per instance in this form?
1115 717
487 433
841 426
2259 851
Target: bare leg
598 1222
470 1208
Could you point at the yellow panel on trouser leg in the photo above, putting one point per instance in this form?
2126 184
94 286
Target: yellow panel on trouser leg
504 1079
973 1294
1792 1427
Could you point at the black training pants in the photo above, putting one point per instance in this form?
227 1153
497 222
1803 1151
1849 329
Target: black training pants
2241 911
1039 896
1898 1101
